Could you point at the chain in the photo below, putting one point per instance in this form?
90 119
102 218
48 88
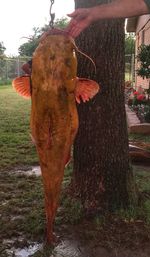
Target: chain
52 15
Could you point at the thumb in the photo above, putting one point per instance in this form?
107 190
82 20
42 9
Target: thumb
72 15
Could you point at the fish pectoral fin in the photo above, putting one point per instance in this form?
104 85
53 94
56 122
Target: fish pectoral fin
23 86
85 89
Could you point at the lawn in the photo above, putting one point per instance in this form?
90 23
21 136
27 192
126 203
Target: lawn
16 147
22 209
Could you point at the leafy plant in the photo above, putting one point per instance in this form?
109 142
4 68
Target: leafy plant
142 111
144 58
129 43
138 98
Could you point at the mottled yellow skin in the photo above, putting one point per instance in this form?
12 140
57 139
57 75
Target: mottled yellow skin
54 119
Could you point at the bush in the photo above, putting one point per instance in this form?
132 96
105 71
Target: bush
142 111
147 113
138 98
143 58
5 82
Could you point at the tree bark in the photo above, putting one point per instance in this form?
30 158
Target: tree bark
102 176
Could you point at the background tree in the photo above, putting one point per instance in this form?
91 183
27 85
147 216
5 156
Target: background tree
61 23
129 55
29 47
130 43
2 61
2 49
102 177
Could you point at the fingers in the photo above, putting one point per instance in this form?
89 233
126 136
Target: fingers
76 27
71 25
73 28
74 32
80 20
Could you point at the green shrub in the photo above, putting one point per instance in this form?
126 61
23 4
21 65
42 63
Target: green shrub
5 82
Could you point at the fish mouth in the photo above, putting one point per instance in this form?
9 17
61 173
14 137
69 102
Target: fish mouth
56 31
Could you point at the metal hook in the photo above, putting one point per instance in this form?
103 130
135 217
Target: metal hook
52 15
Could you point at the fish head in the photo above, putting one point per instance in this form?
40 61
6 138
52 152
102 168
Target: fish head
56 56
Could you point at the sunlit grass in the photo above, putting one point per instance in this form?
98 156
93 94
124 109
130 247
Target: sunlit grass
16 147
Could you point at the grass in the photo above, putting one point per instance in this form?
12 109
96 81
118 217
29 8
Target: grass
22 208
17 199
140 137
16 147
141 140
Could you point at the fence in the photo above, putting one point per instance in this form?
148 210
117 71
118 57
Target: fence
11 68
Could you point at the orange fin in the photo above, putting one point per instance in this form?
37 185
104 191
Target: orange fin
86 89
22 86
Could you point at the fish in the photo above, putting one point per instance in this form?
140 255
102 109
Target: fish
56 91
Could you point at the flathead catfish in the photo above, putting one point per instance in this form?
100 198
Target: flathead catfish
54 118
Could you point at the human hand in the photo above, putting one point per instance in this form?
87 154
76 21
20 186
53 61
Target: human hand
81 19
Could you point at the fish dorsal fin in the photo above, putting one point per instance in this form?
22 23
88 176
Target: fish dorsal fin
23 86
85 89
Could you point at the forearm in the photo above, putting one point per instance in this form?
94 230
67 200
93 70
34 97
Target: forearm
120 9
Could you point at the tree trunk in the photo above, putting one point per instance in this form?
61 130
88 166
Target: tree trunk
102 176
